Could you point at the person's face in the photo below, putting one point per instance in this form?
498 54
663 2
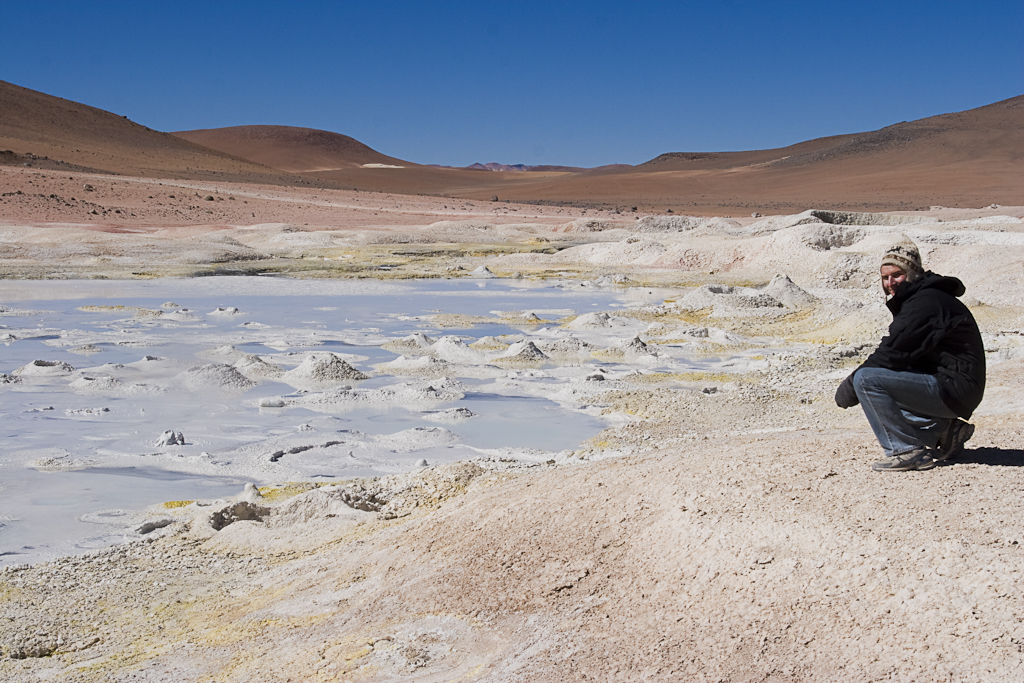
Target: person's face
892 278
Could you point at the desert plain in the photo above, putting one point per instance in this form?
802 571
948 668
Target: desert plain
722 523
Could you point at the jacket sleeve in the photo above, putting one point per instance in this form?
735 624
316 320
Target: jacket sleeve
918 328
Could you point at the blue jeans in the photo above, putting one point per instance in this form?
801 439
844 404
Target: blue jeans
904 409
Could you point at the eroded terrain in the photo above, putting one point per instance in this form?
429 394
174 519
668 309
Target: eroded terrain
724 525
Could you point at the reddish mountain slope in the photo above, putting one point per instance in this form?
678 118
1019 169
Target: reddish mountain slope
295 150
87 138
970 158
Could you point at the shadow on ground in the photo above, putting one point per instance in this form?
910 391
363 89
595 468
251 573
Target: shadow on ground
997 457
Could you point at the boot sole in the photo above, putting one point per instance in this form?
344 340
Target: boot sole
962 436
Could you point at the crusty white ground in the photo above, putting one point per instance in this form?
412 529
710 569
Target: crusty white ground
740 534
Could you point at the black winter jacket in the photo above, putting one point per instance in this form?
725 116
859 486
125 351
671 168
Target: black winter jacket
932 332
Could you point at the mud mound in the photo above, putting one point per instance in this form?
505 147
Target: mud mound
636 346
774 223
522 353
86 349
420 365
417 342
225 311
254 367
44 368
856 218
449 415
215 377
724 298
520 318
410 393
227 352
593 321
98 385
685 224
489 344
321 368
317 504
782 289
455 350
570 347
828 237
586 225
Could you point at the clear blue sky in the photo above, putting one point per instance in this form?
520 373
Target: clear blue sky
515 81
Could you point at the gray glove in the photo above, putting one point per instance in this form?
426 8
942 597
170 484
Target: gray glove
846 395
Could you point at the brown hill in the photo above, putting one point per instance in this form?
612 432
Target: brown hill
291 149
51 132
970 158
994 132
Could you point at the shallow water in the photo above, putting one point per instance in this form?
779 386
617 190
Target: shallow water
42 512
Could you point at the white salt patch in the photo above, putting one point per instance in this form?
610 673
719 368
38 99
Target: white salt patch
225 310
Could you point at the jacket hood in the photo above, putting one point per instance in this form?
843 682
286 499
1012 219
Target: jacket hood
944 283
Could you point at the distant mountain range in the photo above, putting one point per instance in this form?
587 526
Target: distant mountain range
973 157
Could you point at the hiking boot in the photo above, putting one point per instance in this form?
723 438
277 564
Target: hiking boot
917 459
952 439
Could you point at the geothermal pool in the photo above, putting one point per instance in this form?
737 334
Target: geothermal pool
95 372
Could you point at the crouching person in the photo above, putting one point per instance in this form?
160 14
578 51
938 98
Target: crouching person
926 374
